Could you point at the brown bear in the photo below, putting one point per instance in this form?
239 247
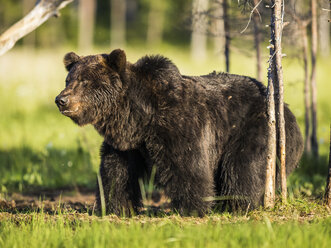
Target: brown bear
206 136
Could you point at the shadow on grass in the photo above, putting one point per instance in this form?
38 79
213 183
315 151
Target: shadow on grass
26 170
310 178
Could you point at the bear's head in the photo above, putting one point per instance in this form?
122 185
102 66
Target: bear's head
94 86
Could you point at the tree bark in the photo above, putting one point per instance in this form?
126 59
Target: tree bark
269 195
43 10
227 35
279 87
257 42
86 24
324 29
327 196
199 29
276 121
313 85
118 23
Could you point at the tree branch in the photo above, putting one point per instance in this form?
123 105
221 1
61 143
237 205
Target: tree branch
43 10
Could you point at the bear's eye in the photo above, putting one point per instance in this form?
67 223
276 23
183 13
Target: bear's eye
114 78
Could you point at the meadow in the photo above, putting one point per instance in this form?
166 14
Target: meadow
42 150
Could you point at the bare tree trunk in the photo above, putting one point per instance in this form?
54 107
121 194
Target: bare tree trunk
269 195
313 86
304 37
218 26
257 42
279 87
275 107
199 29
155 22
86 24
37 16
327 196
324 28
227 35
118 23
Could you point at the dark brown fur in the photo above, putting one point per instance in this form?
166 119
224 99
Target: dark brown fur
206 136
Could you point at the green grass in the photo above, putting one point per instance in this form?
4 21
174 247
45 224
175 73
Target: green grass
39 230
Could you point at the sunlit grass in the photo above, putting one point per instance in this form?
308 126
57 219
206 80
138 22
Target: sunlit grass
39 230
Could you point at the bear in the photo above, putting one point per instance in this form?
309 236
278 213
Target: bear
206 136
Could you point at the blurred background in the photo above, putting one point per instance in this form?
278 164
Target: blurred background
42 150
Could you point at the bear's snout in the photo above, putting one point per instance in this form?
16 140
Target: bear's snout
61 100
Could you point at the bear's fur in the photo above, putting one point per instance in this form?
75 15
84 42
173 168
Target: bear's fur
205 135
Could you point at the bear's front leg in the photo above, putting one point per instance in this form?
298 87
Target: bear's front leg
120 183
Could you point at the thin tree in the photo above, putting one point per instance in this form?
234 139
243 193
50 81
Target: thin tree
275 107
118 23
217 28
324 28
86 24
269 195
279 17
304 38
302 20
43 10
327 196
227 35
199 29
313 85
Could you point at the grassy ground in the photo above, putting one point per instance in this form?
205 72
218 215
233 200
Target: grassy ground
41 149
300 223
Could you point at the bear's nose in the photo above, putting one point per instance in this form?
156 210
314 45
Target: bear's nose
62 100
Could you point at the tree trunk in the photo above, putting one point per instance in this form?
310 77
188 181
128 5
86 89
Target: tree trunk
227 35
218 26
279 88
304 38
155 22
257 42
37 16
118 23
324 29
199 29
86 24
327 196
313 85
269 195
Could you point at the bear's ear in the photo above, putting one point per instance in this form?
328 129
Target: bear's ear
117 60
70 59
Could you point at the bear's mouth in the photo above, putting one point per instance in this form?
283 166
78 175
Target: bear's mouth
68 112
